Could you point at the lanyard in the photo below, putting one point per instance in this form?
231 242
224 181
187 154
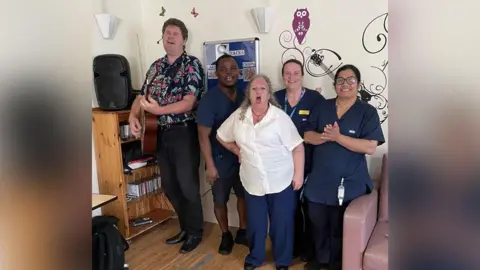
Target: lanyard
294 108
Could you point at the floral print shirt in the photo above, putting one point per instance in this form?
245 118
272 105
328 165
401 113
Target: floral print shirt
169 83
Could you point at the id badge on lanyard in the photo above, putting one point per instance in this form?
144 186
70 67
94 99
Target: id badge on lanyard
341 193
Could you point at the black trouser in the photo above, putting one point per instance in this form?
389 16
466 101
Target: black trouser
327 228
179 161
303 242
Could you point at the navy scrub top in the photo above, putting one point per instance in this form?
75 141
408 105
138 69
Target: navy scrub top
214 108
331 161
300 116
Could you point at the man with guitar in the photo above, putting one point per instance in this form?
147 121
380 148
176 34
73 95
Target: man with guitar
172 87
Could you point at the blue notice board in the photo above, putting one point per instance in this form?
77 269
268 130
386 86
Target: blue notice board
245 51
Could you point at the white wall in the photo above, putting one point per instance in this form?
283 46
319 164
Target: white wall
124 43
334 25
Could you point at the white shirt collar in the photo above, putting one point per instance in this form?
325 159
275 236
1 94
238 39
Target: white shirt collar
272 113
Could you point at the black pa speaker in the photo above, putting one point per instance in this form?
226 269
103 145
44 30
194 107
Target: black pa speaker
113 83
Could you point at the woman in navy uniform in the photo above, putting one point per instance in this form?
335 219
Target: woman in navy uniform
298 101
343 129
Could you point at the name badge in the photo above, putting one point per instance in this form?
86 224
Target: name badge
304 112
341 193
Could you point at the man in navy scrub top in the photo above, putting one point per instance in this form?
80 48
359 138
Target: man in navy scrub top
343 129
298 102
222 165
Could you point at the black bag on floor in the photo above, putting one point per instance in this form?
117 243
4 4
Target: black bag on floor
109 245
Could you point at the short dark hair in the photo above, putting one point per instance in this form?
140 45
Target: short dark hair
295 61
178 23
224 56
353 68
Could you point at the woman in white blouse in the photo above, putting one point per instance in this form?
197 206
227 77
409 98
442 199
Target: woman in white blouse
272 161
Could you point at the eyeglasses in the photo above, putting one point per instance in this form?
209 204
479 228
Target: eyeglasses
350 80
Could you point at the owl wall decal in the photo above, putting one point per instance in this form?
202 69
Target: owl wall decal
301 23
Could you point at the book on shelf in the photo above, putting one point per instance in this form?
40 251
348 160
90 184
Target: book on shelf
144 186
134 159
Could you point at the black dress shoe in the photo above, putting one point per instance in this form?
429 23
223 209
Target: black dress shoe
249 266
227 243
190 243
282 267
178 238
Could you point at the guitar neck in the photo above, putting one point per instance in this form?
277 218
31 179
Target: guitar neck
328 71
318 61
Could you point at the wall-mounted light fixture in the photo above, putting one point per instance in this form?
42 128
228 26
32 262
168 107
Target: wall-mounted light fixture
107 23
264 18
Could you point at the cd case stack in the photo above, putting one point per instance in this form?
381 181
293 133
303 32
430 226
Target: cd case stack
141 221
144 186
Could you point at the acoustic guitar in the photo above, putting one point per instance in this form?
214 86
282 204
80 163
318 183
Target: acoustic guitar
149 131
148 134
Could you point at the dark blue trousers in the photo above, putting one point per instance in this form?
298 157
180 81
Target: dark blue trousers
280 209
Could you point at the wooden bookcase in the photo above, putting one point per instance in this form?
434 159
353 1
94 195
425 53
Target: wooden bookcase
112 179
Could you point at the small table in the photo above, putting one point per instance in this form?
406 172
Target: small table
99 200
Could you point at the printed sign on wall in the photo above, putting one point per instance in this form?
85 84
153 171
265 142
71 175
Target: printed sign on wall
245 52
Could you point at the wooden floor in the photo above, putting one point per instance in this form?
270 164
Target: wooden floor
149 252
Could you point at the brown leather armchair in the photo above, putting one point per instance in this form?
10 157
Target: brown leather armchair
365 229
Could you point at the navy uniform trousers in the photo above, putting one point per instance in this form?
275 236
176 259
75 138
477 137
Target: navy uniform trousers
279 208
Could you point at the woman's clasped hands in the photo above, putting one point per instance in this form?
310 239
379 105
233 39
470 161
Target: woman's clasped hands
331 132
